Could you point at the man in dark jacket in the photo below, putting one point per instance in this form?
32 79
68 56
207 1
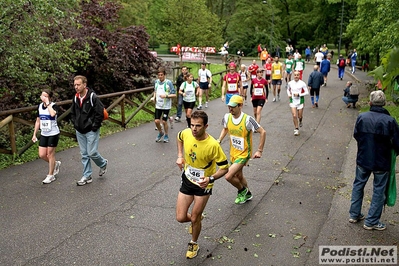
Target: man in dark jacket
376 133
180 79
87 114
315 81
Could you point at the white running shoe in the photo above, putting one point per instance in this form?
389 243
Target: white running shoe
296 132
49 179
206 104
274 99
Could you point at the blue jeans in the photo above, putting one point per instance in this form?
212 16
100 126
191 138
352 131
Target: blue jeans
353 66
378 199
341 71
88 144
347 100
179 105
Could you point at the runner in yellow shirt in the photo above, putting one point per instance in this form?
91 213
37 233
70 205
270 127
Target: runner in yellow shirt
240 127
277 78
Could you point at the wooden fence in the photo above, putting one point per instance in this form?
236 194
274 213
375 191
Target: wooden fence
13 116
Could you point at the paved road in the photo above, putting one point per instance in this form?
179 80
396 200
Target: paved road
301 188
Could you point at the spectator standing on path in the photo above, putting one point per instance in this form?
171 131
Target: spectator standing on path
259 49
240 127
350 97
277 51
232 83
296 91
376 133
341 66
87 114
308 54
264 55
180 79
205 84
46 121
277 78
198 154
325 68
259 94
287 50
318 57
188 90
315 81
353 61
299 65
164 92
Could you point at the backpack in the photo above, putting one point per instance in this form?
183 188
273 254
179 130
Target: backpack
341 62
106 115
354 90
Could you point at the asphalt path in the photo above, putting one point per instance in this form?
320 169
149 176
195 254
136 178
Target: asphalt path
300 190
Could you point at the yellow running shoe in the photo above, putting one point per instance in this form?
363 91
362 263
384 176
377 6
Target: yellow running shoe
192 250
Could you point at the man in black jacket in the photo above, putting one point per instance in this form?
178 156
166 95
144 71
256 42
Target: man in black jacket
376 133
87 114
316 79
180 79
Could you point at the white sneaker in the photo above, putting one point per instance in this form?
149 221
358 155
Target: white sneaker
103 170
48 179
274 99
296 132
199 107
57 167
206 104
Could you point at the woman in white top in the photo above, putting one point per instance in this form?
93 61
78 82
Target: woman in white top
46 121
189 89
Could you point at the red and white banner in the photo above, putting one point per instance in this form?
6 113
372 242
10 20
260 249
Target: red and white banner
193 56
208 50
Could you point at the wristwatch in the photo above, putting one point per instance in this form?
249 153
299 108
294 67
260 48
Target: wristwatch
211 179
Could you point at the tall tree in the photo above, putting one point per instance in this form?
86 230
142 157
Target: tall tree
187 23
33 51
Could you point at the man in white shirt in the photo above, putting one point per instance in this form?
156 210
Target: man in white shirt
296 90
318 57
205 83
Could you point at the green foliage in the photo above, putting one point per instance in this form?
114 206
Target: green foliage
189 23
388 70
33 52
375 27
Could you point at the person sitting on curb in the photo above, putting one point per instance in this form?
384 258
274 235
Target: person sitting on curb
351 96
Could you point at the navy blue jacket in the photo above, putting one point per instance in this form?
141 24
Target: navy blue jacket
325 66
315 80
376 133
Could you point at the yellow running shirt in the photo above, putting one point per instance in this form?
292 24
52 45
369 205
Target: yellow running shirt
201 156
277 70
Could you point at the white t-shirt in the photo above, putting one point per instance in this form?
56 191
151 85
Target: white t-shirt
189 90
319 56
203 75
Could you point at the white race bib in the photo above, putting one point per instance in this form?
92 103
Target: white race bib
45 125
258 92
253 76
237 142
277 71
194 174
268 72
232 87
